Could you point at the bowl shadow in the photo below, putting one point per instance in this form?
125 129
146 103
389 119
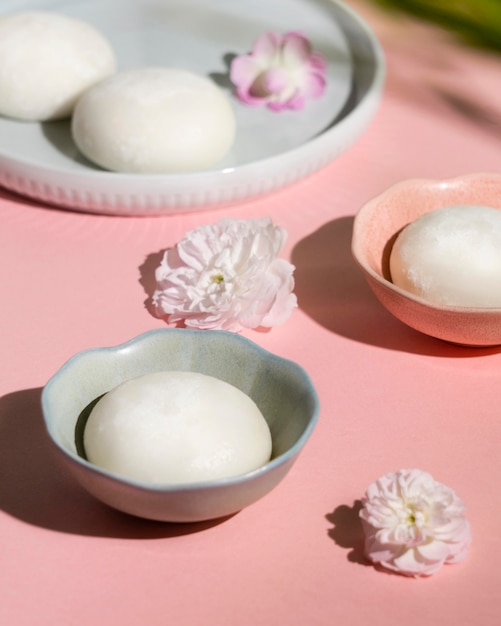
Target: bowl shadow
332 290
35 490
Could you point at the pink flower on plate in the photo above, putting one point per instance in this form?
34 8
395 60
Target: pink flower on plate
227 276
413 524
281 71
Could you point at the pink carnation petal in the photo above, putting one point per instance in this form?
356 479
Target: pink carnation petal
267 46
411 564
317 63
280 72
243 71
297 102
296 50
460 554
269 83
226 276
274 80
434 551
277 106
413 524
284 300
245 97
314 86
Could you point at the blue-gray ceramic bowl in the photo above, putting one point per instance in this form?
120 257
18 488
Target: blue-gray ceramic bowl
281 389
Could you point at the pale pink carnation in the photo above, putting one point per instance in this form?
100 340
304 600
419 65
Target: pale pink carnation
413 524
281 71
227 276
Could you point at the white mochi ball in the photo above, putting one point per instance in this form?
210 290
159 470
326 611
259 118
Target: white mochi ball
177 427
451 256
47 61
154 120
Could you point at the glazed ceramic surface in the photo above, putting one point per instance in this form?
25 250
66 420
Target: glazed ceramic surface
270 151
375 228
280 388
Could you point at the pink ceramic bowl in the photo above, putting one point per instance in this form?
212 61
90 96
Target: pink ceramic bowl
375 228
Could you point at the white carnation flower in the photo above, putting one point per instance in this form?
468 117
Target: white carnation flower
227 276
413 524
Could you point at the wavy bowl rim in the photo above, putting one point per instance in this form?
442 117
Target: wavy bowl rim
268 467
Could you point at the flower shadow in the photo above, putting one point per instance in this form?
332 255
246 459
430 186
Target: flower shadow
332 290
147 278
35 490
222 79
347 531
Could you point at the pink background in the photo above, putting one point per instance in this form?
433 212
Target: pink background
391 398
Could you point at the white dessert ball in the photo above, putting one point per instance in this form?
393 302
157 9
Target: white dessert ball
177 427
451 256
47 61
154 120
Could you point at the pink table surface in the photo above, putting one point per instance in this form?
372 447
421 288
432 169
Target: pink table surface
391 398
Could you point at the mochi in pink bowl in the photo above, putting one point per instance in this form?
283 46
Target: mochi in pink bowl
375 229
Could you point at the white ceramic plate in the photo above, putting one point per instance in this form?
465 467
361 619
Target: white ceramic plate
271 149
